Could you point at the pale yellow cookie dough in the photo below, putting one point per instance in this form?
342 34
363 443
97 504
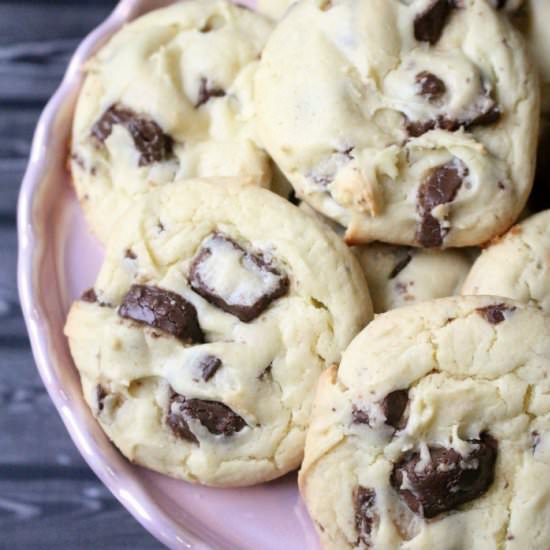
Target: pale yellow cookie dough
434 432
274 9
395 132
176 82
221 396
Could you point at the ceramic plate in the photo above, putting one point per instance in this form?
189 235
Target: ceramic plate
58 259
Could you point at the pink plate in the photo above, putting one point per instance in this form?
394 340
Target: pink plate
58 259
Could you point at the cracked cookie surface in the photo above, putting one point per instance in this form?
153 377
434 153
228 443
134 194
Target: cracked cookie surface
168 97
416 124
517 265
433 432
208 326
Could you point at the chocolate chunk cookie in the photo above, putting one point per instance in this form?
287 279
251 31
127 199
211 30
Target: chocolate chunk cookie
202 340
399 275
517 265
416 124
428 434
168 97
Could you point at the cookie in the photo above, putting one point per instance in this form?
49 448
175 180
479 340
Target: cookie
433 432
201 343
274 9
169 97
532 22
398 276
416 124
517 265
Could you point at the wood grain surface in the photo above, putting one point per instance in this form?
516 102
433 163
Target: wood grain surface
49 498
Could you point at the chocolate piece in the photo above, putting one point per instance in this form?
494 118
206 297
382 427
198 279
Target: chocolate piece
89 296
206 93
429 25
249 290
393 407
130 254
488 117
101 393
364 500
495 314
209 365
400 266
440 187
164 310
216 417
447 480
535 440
359 416
430 85
176 421
266 373
148 137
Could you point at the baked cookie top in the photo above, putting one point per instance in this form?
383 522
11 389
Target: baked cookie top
516 265
399 276
416 123
168 97
434 431
216 309
274 9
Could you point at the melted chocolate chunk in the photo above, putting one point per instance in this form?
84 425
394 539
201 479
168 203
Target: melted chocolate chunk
430 85
89 296
216 417
429 25
206 93
359 416
364 501
163 310
447 480
490 116
495 314
175 419
148 137
400 266
394 406
209 365
266 282
440 187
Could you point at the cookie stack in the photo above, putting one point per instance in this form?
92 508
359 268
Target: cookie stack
261 189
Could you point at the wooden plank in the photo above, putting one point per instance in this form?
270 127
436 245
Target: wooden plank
53 509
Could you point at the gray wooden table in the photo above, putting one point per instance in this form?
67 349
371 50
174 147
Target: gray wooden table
49 498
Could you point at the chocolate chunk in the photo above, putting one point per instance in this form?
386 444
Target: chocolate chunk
130 254
216 417
430 85
175 419
393 407
209 365
495 314
101 393
440 187
447 480
148 137
364 501
89 296
206 93
251 287
400 266
359 416
163 310
266 374
429 25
